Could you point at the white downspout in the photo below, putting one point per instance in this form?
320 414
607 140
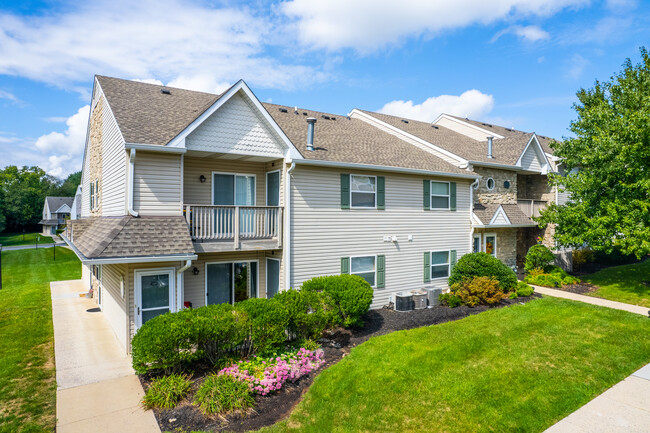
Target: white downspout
287 228
130 181
471 215
180 289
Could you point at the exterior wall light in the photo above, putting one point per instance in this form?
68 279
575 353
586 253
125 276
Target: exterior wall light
202 179
195 271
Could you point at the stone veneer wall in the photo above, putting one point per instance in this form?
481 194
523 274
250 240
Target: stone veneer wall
506 244
499 194
535 187
95 151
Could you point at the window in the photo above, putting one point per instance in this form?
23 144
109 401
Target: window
364 267
94 194
490 242
230 282
439 195
489 183
363 191
439 264
233 189
477 244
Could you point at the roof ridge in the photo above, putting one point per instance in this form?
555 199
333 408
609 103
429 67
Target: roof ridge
162 85
304 109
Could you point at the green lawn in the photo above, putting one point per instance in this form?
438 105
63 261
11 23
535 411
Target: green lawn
623 283
520 369
27 377
13 239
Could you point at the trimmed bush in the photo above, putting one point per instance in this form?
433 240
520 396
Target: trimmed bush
451 300
267 323
347 297
478 290
524 289
165 343
306 314
483 265
223 394
165 392
538 257
221 329
556 277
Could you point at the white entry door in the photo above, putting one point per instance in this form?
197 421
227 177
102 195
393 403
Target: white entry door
154 294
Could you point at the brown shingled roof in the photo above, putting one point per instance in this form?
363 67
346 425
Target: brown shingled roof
485 212
341 139
130 237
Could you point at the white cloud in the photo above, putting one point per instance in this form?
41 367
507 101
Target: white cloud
148 81
577 65
202 82
63 150
367 25
176 41
10 96
527 33
472 103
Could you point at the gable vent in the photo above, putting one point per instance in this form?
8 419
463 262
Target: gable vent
165 91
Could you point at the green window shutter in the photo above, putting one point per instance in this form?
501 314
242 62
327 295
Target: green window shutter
381 272
452 260
426 195
381 192
427 267
345 265
452 196
345 191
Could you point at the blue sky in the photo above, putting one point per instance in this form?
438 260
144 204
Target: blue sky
517 63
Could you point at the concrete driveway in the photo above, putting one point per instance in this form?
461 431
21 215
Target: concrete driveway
97 389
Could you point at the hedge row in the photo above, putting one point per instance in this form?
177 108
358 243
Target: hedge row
171 341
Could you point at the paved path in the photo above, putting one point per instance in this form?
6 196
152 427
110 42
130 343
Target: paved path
593 300
97 390
31 246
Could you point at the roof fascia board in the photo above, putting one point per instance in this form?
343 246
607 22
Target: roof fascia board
383 168
411 136
453 119
477 219
496 165
501 226
498 212
154 148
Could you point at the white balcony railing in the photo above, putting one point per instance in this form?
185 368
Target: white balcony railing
235 223
531 207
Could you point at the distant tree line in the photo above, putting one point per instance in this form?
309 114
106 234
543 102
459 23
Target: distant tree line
22 195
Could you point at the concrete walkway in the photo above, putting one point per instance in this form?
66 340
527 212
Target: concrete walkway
593 300
97 389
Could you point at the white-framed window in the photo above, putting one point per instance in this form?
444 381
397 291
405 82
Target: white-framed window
477 244
490 243
365 267
440 264
439 195
363 191
489 183
94 194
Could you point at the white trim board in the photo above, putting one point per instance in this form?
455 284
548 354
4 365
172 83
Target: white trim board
546 165
500 213
469 125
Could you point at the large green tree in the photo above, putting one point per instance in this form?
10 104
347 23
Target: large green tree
610 190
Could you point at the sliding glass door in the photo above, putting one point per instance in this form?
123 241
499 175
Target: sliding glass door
233 190
231 282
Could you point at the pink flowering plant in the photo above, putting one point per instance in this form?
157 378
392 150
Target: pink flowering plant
265 375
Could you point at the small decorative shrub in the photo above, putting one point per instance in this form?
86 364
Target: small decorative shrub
307 317
538 257
582 256
265 375
483 265
556 277
165 343
266 326
513 295
524 289
347 297
450 299
165 392
223 394
536 272
478 290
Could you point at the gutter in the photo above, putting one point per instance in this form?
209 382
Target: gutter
154 148
130 183
337 164
287 228
180 287
502 226
494 164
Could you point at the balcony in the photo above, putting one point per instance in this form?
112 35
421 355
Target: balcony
531 207
234 228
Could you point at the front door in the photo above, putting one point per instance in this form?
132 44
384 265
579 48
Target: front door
154 294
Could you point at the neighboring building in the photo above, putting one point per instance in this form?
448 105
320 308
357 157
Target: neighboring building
190 198
75 211
56 212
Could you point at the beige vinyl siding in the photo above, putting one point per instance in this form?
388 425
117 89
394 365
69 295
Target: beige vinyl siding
194 285
114 306
85 185
114 160
322 233
464 129
86 273
405 137
530 160
157 184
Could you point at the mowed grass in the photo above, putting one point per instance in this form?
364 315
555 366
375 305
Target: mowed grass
27 375
623 283
520 368
14 239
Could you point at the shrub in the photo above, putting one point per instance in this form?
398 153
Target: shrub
546 280
347 297
306 314
483 265
582 256
513 295
267 322
538 257
220 330
478 290
223 394
164 343
165 392
450 300
524 289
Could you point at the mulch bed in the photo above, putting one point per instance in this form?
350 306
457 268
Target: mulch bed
274 407
579 288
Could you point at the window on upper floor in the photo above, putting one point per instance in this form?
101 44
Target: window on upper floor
440 195
94 195
363 191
